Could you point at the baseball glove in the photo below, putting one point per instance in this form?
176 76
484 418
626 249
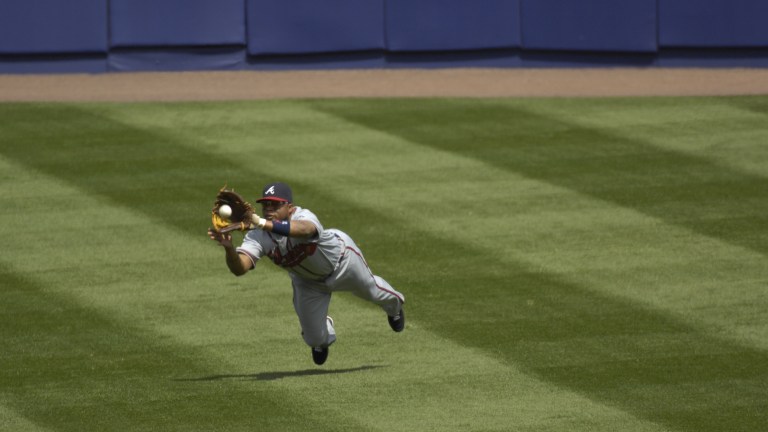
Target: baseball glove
242 212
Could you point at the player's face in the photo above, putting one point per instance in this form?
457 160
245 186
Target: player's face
276 210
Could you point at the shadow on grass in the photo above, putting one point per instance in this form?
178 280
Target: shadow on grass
272 376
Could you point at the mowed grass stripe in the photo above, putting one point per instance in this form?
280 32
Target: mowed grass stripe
127 166
726 131
11 420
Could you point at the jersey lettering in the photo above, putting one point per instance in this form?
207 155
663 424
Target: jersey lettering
294 255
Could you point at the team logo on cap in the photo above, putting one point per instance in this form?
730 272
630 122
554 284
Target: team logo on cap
270 191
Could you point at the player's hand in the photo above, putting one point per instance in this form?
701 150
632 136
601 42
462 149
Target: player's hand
257 221
223 239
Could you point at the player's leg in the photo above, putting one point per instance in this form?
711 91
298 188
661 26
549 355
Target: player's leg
355 276
311 305
397 319
375 289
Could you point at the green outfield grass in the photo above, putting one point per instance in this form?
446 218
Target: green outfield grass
568 265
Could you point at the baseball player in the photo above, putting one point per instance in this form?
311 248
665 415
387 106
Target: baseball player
320 261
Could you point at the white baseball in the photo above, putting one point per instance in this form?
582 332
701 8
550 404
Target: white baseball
225 211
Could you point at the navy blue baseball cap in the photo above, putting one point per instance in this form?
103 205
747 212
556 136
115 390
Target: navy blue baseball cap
276 191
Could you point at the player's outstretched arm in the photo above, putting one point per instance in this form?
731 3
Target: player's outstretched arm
296 228
238 264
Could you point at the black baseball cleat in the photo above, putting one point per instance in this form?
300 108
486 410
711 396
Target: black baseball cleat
397 322
319 355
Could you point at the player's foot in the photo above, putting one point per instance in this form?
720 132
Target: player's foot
397 322
319 355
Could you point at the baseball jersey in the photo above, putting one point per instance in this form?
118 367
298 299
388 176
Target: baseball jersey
313 258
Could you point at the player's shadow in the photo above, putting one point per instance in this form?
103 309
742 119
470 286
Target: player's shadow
271 376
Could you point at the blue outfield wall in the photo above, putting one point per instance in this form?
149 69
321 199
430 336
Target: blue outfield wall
51 36
285 27
149 23
713 23
595 25
456 25
53 27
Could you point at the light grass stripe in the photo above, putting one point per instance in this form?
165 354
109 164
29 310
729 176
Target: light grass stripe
12 421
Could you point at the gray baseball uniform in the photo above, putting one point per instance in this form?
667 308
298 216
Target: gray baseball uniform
320 265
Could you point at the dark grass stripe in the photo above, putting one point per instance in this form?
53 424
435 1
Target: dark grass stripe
69 367
638 360
141 170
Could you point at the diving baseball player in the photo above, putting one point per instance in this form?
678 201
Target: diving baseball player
319 261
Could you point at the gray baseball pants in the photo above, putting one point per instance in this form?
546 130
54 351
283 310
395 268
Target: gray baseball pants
312 298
